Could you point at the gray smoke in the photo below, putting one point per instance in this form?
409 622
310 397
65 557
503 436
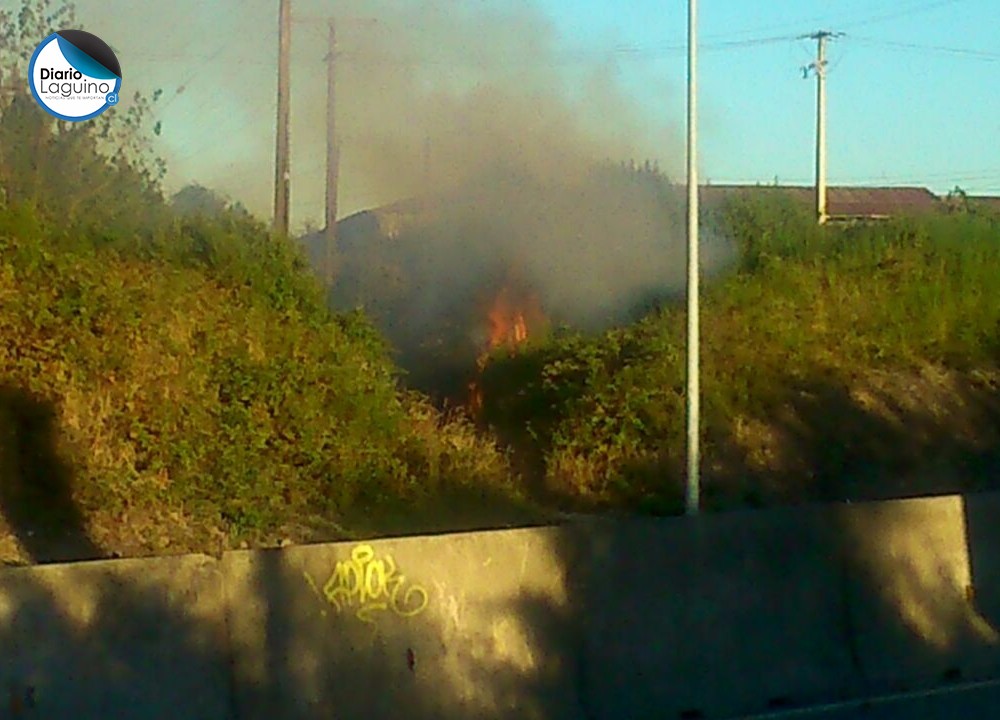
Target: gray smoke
477 105
475 109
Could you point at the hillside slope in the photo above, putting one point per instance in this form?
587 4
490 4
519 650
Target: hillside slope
155 401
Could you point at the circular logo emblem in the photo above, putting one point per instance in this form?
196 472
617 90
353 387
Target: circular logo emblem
74 75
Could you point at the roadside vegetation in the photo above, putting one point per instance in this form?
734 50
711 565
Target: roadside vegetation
838 362
170 378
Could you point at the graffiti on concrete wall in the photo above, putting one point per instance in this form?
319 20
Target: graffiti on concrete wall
370 585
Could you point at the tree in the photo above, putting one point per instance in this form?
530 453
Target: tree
194 199
958 200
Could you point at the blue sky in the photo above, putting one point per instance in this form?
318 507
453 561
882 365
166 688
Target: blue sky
913 90
895 114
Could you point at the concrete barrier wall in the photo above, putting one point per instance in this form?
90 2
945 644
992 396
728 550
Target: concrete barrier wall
916 614
717 616
475 625
709 617
130 639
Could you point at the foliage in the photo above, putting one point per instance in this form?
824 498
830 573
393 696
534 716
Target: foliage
201 383
196 200
201 388
204 379
807 304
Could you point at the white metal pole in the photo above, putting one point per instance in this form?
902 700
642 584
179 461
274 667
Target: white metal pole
693 389
821 128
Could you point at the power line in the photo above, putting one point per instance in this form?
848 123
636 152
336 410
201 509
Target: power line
190 77
893 45
568 57
843 20
622 53
214 138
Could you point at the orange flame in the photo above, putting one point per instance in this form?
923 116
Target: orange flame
508 327
507 324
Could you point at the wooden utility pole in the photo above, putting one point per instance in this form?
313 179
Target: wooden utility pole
820 69
332 161
282 172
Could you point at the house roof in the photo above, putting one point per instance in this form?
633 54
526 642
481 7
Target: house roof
989 201
841 201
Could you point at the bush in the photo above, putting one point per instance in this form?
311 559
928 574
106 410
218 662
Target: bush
810 305
201 379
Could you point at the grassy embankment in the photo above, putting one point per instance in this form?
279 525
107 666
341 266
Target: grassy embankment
838 362
186 390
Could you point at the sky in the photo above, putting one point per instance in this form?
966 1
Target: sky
913 88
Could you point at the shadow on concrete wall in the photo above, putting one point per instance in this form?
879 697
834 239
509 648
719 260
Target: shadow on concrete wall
917 620
982 526
914 618
150 638
522 659
138 641
699 618
91 640
887 591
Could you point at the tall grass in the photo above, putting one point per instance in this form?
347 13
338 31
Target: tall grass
604 414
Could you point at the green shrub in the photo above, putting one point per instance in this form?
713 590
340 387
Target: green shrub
809 306
204 378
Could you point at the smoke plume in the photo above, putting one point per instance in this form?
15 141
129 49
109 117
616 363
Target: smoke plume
477 110
484 109
435 93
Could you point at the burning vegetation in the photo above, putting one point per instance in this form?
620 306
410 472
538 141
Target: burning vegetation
513 315
465 276
507 324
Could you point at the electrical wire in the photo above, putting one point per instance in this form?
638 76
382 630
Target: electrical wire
841 21
716 43
214 139
893 45
182 86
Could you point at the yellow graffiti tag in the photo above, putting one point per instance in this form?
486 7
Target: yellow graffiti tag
371 585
